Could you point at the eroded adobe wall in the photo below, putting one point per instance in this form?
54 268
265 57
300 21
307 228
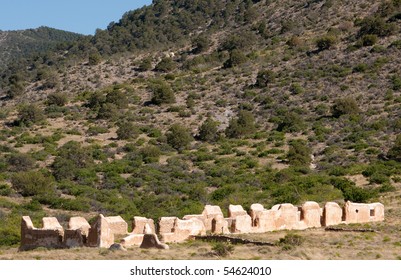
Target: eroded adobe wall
172 229
362 213
49 236
100 234
117 225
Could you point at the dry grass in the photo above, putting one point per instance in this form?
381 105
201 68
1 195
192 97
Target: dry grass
384 243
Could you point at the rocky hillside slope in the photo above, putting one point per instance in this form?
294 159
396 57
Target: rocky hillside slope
184 103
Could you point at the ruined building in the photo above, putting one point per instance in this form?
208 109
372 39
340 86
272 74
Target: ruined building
106 230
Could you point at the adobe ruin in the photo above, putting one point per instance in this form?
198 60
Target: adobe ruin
105 230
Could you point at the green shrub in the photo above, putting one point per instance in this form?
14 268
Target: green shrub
71 158
200 44
351 192
150 154
291 122
387 187
396 44
108 111
264 78
241 126
208 131
236 58
299 153
165 65
58 99
396 82
376 26
5 190
326 42
222 249
344 106
292 239
178 137
32 183
145 64
395 151
360 68
20 162
94 58
161 93
78 204
118 98
368 40
10 231
296 89
29 114
127 130
95 100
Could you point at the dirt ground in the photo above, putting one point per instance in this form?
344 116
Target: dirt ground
384 242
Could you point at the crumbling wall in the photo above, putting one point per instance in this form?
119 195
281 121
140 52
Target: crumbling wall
286 216
117 225
74 238
132 240
50 236
363 213
79 223
262 220
152 241
172 229
77 233
100 234
332 214
239 220
376 212
311 215
139 225
214 220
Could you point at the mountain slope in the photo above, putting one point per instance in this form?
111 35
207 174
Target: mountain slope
23 43
184 103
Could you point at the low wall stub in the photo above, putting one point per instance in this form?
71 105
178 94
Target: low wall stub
219 225
79 223
166 224
100 234
213 215
311 214
377 212
242 224
256 210
139 225
332 214
117 225
181 230
132 240
356 213
51 223
152 241
264 221
286 216
74 238
235 211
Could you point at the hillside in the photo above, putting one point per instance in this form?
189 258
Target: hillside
185 103
15 45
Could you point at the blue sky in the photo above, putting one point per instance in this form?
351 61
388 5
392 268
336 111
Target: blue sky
81 16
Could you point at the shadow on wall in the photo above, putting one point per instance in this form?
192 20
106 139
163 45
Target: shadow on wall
103 232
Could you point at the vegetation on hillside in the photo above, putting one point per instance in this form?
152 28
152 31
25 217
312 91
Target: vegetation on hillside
185 103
